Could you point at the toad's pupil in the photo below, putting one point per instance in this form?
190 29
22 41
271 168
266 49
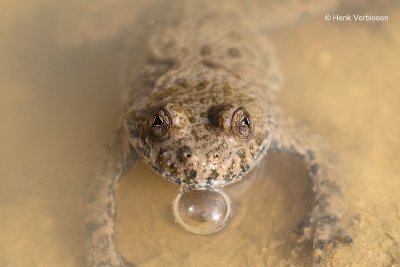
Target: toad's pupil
245 121
158 121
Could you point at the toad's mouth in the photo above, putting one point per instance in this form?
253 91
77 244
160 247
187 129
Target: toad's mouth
192 178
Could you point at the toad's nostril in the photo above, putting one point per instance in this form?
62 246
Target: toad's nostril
185 153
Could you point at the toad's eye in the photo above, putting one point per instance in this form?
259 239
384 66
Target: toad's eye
158 121
245 121
160 124
242 125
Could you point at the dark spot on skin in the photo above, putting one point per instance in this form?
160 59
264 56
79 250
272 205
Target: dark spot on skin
261 151
310 154
203 100
169 63
259 139
158 168
242 154
344 238
234 52
170 44
328 219
302 226
320 244
134 133
184 50
159 162
161 153
190 175
314 169
202 85
163 94
227 177
190 182
182 82
213 175
205 50
215 65
210 64
146 153
228 90
244 167
109 209
233 177
173 170
332 186
208 127
92 227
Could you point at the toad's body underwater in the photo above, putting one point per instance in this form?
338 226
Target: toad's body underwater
207 116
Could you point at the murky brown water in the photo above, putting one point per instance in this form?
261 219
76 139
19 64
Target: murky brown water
59 103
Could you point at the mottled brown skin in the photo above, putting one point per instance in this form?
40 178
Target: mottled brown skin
215 134
202 113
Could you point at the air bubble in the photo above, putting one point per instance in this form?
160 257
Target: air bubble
202 211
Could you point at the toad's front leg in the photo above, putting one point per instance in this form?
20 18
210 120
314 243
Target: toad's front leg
100 224
322 225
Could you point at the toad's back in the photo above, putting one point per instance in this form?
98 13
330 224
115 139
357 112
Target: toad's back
221 40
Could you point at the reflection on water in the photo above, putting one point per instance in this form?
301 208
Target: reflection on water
59 104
